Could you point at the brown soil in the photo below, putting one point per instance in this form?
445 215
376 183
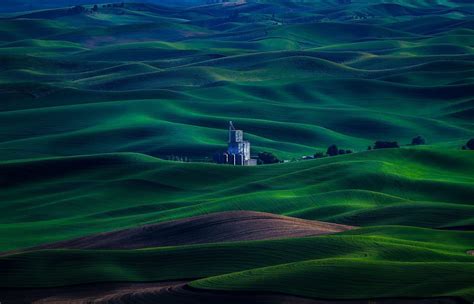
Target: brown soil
171 292
211 228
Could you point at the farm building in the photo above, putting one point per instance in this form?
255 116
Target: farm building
238 150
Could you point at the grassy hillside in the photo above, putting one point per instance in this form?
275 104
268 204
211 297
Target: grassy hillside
163 81
349 262
93 102
55 199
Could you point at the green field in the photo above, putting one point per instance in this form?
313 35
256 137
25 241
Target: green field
165 81
347 261
92 105
48 200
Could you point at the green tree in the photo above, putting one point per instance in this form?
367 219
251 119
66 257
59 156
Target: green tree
332 150
418 141
268 158
470 144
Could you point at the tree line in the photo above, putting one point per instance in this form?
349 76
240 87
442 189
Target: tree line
334 150
79 9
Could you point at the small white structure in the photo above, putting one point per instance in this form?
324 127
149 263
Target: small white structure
238 150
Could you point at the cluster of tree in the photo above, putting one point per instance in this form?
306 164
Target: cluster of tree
469 145
76 10
416 141
267 158
79 9
332 150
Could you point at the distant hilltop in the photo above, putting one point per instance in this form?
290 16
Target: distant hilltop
12 6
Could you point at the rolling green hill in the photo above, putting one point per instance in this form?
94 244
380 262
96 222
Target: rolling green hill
93 103
349 262
314 72
55 199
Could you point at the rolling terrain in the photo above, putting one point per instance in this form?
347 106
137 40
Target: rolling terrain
296 82
212 228
95 102
364 188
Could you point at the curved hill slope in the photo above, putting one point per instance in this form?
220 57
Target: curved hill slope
431 262
56 199
88 97
211 228
174 292
296 76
